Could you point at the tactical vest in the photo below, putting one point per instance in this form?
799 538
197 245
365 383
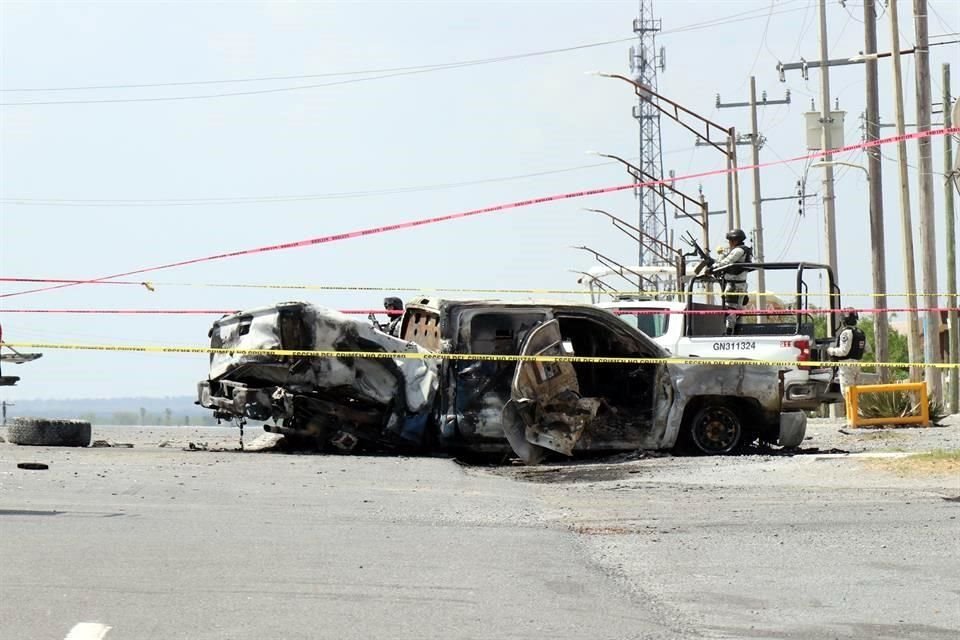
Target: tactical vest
858 344
733 269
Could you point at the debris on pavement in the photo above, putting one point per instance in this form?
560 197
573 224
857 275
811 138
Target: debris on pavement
109 444
33 466
265 442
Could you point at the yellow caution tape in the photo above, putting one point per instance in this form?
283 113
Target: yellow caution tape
347 288
413 355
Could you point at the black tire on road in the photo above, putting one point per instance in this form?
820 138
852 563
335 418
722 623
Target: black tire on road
716 429
50 433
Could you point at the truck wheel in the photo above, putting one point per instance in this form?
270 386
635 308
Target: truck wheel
716 429
50 433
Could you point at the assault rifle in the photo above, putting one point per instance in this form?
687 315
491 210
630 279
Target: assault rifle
696 250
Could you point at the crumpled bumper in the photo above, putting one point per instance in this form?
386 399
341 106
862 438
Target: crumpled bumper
236 399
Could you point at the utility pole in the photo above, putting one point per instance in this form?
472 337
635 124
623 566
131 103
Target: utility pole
757 205
881 322
906 223
928 239
952 179
5 404
756 143
825 121
951 231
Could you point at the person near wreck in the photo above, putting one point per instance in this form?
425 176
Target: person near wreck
394 308
850 346
732 278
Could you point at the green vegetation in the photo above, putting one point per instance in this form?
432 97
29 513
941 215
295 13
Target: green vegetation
897 404
896 344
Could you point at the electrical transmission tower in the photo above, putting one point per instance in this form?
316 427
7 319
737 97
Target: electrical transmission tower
645 60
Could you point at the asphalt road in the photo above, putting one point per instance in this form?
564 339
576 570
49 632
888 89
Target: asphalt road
157 542
161 543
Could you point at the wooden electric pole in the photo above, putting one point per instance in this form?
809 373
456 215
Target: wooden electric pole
906 223
881 322
952 180
928 238
950 183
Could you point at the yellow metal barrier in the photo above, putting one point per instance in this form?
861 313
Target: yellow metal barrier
853 404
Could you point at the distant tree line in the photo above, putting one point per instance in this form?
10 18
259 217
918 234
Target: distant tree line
896 344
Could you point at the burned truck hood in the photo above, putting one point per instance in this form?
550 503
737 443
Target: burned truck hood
305 327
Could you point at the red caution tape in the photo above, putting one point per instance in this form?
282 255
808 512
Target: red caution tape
339 236
356 288
622 312
492 209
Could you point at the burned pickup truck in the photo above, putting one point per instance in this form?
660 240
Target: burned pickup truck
532 377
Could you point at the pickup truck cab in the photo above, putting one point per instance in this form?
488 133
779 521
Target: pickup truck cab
693 329
625 400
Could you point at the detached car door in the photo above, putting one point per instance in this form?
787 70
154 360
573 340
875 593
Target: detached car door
545 411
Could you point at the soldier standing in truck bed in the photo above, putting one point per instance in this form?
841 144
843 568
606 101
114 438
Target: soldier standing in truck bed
734 279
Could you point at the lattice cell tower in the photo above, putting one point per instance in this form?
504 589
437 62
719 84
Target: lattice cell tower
645 60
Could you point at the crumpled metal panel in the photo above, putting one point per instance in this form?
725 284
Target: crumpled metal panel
325 330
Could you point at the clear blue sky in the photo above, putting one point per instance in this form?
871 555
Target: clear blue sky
480 123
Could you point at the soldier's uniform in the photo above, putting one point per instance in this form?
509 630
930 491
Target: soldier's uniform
734 280
850 346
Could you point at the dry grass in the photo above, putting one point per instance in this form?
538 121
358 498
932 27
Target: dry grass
938 462
894 404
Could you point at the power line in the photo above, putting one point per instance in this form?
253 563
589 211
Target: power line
389 70
383 73
383 76
763 43
743 16
423 67
230 200
939 18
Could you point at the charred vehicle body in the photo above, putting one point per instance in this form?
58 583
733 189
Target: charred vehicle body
14 357
345 400
492 403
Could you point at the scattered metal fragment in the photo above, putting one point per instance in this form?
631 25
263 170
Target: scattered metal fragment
110 445
33 466
265 442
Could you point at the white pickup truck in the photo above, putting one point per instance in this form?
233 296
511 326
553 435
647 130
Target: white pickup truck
678 328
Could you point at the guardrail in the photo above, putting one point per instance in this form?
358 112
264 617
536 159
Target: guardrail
853 404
